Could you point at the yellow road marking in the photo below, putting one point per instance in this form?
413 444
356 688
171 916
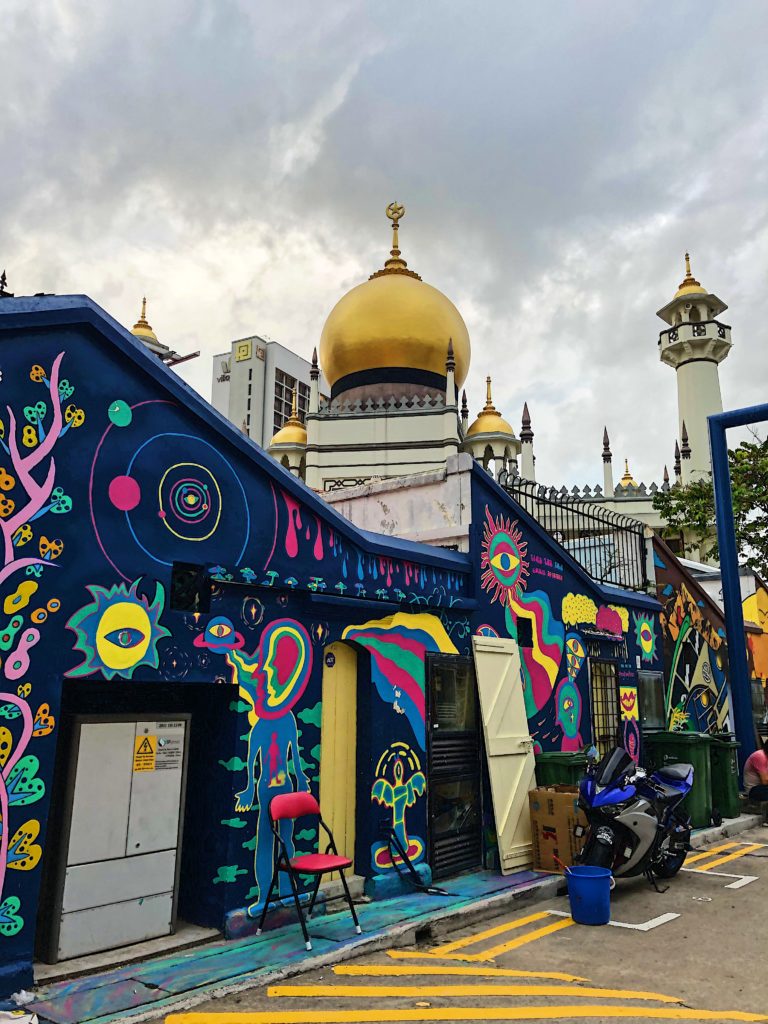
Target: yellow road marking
523 940
469 991
392 970
709 852
490 933
479 1013
731 856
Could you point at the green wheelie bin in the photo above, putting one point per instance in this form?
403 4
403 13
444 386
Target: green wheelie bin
724 764
556 768
664 748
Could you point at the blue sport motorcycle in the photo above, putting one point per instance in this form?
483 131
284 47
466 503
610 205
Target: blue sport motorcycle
635 824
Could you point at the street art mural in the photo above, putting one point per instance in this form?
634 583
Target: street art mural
399 783
118 631
696 657
645 634
270 681
398 646
560 620
504 575
33 501
105 488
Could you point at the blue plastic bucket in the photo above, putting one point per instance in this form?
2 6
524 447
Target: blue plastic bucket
589 892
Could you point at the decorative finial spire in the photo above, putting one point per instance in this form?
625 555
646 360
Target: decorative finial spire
627 480
395 264
314 370
4 294
526 434
294 404
607 456
666 475
464 406
488 399
685 449
689 282
450 359
677 467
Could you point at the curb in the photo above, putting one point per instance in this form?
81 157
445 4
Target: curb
730 827
406 934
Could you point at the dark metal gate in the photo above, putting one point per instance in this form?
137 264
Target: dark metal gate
454 766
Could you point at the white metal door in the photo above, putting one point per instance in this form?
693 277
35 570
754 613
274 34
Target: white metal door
119 882
511 764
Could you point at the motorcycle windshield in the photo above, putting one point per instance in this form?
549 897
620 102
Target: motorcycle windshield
614 765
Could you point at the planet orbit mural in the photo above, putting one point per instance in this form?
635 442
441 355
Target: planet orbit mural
190 498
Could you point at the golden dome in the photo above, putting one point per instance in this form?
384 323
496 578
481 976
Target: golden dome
293 430
627 480
391 321
490 420
141 328
689 285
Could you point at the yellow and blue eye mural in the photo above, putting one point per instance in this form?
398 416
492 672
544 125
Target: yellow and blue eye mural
645 633
118 631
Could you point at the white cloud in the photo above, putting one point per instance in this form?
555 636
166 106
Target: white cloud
233 160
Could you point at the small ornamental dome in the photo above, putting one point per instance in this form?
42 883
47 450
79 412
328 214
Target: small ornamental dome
627 480
293 432
141 328
689 285
394 327
490 420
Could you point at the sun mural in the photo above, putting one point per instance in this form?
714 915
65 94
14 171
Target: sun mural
504 575
646 636
503 558
118 631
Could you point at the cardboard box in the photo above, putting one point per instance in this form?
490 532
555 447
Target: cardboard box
554 816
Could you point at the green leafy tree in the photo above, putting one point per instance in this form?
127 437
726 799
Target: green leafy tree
691 509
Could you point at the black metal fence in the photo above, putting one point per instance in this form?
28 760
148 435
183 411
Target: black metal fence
609 545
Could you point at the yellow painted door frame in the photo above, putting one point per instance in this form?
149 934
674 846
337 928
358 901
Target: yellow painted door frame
338 745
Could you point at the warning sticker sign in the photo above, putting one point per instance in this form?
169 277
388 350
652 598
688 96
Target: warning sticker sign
169 751
144 753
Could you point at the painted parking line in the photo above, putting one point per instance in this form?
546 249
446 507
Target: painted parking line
490 933
449 1013
465 991
709 852
751 848
449 950
739 880
644 926
522 940
442 970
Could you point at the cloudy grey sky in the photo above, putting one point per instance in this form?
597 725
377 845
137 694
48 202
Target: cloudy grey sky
232 160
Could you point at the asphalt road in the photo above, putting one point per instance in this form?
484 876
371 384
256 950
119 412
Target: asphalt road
696 952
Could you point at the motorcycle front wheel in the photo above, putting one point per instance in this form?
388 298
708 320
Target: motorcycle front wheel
597 854
668 862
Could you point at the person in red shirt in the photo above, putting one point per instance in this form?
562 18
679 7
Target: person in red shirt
756 774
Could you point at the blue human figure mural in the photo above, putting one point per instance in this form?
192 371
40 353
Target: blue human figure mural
271 681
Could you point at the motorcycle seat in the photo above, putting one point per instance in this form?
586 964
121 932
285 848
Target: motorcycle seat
675 771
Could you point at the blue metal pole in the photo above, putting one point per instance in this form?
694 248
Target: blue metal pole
741 696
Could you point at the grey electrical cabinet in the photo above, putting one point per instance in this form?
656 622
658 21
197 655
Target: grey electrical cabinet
117 882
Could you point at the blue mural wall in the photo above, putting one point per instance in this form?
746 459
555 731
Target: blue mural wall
532 590
111 470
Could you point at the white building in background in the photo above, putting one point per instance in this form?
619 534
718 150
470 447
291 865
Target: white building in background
253 384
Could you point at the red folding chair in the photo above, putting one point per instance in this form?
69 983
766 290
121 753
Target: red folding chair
289 807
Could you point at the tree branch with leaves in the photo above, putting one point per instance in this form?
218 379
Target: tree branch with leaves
690 509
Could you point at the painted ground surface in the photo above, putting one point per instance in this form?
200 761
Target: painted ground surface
683 955
154 986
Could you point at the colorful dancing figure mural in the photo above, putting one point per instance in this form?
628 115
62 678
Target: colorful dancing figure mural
270 681
399 794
